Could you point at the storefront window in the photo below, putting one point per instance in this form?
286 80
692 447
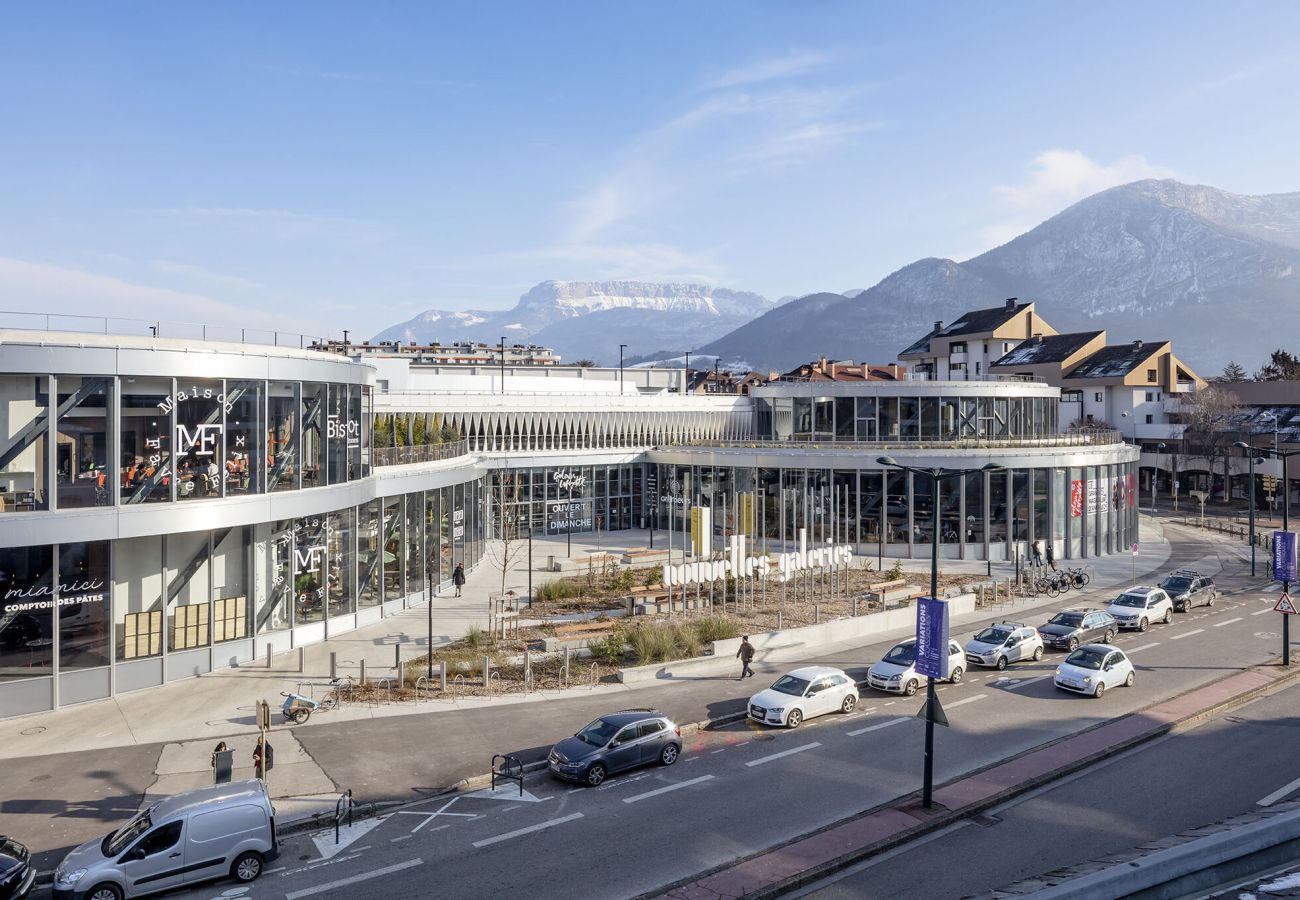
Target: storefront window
243 464
282 437
200 409
26 612
82 442
231 609
313 429
24 442
369 555
138 597
83 605
189 590
146 435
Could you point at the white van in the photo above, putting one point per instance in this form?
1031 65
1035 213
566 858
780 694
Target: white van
214 832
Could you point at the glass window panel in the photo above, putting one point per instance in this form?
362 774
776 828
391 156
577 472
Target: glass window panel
24 442
244 446
26 604
138 597
200 408
313 426
83 605
282 437
82 442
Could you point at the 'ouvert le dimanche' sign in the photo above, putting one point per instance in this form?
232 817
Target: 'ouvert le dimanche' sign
737 563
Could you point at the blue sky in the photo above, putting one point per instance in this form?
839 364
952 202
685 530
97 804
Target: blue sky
318 166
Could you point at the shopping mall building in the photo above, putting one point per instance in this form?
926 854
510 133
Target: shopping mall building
170 507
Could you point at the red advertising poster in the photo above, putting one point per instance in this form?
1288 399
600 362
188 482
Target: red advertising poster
1076 499
1132 490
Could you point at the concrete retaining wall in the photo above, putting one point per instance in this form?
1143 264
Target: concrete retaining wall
794 643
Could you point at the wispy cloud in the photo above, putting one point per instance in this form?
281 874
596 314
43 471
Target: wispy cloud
1055 179
770 69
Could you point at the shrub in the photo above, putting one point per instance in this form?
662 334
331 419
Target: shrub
715 628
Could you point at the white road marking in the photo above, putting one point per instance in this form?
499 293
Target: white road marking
1227 622
1279 793
1143 647
664 790
965 701
522 831
1179 637
1017 686
875 727
765 759
344 882
1262 611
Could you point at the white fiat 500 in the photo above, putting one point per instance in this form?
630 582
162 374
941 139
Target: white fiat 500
1093 668
896 671
803 694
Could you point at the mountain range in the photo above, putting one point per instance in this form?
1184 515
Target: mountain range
1215 272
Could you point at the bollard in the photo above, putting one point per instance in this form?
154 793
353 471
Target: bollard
302 660
363 673
442 675
334 666
270 654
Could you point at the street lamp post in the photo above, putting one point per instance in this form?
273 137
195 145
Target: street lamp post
621 348
935 475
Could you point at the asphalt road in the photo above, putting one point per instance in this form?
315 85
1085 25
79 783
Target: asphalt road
743 789
1220 769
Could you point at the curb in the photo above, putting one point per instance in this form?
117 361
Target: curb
943 819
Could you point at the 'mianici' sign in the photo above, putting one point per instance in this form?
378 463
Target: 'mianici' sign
736 563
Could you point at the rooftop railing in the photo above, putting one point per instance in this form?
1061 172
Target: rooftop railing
1099 437
421 453
155 328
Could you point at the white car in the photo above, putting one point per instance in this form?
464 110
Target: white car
896 671
1005 642
803 694
1140 606
1093 668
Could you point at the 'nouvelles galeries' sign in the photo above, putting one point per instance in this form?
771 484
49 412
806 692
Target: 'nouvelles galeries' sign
737 563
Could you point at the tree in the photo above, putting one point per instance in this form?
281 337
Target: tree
1211 417
1281 366
1232 372
585 363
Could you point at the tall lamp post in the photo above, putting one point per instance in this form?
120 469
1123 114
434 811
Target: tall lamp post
621 348
1285 456
1251 490
935 475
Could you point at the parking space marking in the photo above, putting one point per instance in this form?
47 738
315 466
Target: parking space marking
1179 637
1227 622
355 879
663 790
1019 684
876 727
966 700
766 759
519 832
1143 647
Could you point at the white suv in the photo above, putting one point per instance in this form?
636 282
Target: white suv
1140 606
1005 642
896 672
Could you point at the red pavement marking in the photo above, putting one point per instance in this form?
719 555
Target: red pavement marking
776 866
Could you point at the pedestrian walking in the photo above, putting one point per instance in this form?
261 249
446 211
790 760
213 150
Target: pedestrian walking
458 577
263 758
1051 557
746 655
1037 551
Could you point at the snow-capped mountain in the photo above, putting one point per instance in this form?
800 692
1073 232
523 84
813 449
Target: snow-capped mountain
1215 272
591 318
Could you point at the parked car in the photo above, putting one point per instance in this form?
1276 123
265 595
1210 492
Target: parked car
804 694
1140 606
1003 643
1093 668
16 871
196 836
1070 628
896 671
614 743
1186 588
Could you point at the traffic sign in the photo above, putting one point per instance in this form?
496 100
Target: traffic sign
1285 605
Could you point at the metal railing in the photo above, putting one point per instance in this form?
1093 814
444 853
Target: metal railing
421 453
1099 437
154 328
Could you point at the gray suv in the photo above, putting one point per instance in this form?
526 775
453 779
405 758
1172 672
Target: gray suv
613 743
1187 589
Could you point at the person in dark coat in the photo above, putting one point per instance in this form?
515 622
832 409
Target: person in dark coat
458 577
746 655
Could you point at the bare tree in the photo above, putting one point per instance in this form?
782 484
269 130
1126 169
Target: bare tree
1211 417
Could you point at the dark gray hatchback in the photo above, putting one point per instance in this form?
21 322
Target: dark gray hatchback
614 743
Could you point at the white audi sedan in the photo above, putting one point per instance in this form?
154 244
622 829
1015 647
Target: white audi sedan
1093 668
803 694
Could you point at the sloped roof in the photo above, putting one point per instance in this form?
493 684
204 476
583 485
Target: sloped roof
1055 348
1117 361
976 321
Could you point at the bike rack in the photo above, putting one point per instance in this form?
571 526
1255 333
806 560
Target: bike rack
344 806
510 769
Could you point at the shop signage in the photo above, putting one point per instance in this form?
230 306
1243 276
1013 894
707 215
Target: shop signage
568 516
569 481
737 563
932 637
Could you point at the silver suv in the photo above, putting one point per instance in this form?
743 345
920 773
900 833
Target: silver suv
1187 588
